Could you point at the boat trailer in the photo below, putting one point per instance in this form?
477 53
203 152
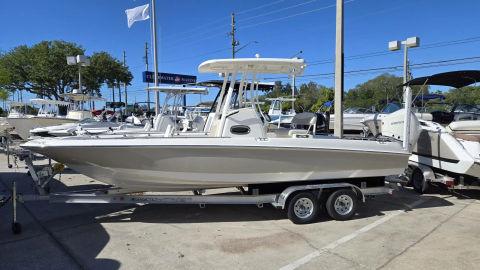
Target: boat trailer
302 202
421 176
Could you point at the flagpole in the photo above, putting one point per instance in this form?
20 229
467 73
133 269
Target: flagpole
155 58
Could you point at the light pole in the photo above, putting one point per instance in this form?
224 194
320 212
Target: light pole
81 61
395 45
294 82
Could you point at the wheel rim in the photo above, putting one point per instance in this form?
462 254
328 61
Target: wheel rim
343 205
303 208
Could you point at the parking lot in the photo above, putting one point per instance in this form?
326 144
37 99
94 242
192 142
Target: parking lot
399 231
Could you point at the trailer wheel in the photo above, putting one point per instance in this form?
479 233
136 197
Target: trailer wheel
303 208
342 204
419 183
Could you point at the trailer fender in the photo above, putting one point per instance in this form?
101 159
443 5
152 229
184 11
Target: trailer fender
283 197
428 173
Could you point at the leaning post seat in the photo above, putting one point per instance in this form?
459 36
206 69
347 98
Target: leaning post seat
301 121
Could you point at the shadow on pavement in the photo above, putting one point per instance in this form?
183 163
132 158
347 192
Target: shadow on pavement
54 236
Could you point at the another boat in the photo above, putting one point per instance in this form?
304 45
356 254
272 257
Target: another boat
277 116
16 109
48 115
85 126
352 119
235 149
83 120
448 148
373 122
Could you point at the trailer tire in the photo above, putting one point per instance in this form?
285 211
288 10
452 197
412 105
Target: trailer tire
419 183
303 208
16 228
342 204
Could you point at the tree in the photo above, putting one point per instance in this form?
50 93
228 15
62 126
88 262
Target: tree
106 69
326 94
465 95
377 91
4 94
310 96
42 69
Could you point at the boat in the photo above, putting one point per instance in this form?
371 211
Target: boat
353 119
373 122
84 120
16 109
173 113
447 148
234 150
85 126
278 117
48 115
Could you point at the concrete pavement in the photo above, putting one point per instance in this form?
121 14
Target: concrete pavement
401 231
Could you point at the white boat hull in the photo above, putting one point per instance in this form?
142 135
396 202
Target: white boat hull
23 125
351 122
441 150
187 163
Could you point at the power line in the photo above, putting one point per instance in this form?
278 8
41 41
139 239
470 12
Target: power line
194 29
259 7
215 28
292 15
256 24
449 62
381 53
194 56
361 72
278 10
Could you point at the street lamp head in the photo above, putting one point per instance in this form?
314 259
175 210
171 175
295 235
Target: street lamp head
86 62
394 45
79 59
71 60
412 42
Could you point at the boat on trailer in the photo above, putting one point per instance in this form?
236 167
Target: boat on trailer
448 149
48 115
233 150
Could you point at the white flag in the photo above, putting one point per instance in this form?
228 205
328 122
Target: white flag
136 14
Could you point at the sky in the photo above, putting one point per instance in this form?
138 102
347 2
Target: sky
193 31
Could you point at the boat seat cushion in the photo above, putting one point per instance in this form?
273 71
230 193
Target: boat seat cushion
467 137
293 132
465 126
279 133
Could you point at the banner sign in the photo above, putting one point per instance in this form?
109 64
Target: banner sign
168 78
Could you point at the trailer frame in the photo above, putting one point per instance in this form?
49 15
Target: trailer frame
42 176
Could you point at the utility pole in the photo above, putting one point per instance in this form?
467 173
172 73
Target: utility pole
146 69
235 42
339 57
119 96
124 83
